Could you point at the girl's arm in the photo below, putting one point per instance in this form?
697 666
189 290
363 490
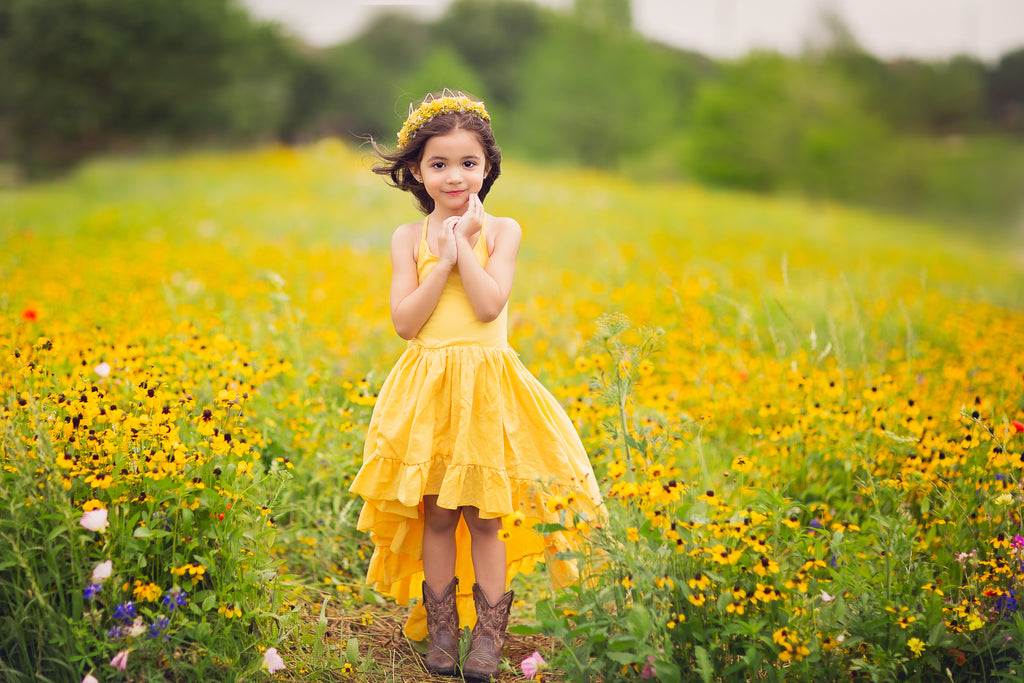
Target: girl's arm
489 289
412 302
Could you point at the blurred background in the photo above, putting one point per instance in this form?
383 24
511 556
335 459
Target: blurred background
905 105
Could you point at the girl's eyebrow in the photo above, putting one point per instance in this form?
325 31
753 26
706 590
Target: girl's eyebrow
440 157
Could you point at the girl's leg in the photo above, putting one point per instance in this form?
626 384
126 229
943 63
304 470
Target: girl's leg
488 553
438 544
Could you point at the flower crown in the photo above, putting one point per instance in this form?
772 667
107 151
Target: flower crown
448 103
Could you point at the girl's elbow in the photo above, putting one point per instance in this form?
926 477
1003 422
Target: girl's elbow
404 331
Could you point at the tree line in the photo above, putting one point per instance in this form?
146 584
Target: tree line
96 76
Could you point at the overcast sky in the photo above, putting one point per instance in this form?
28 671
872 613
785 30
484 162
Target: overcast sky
722 28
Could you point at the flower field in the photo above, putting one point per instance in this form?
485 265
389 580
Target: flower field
808 421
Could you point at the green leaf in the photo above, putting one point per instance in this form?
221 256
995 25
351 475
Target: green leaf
622 642
352 650
621 657
548 527
640 620
704 667
667 672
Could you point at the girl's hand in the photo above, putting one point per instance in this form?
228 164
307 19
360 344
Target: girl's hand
447 247
471 221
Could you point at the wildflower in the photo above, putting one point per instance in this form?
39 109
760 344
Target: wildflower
347 669
120 660
92 590
125 612
516 518
230 611
699 582
30 315
1018 426
174 598
102 571
825 597
367 619
272 661
557 503
633 534
103 369
158 627
532 664
95 520
148 592
89 678
916 646
627 582
648 671
137 628
906 621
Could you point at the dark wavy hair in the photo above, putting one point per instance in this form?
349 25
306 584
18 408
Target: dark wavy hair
398 164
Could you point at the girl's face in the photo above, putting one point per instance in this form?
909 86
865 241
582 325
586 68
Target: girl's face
452 168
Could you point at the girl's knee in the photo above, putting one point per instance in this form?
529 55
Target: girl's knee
478 526
438 519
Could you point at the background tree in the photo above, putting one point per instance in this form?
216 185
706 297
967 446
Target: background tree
86 75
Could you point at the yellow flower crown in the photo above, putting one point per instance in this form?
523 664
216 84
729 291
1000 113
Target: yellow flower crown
448 103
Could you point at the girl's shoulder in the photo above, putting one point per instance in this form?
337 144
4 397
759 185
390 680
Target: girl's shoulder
406 237
504 229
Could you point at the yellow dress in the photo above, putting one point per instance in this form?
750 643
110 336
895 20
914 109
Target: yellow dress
460 417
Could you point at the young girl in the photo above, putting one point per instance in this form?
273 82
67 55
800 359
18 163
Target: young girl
466 451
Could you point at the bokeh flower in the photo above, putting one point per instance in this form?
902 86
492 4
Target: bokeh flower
272 661
120 660
532 664
95 520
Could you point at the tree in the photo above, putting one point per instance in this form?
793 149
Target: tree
86 75
1005 91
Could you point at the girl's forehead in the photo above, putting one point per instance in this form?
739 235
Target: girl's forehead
459 141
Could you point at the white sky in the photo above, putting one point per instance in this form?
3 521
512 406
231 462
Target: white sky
722 28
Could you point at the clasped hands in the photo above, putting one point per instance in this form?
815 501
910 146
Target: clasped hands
460 228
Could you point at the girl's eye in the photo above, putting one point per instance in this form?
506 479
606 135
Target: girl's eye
469 164
437 165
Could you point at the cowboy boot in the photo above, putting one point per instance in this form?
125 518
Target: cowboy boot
443 629
482 662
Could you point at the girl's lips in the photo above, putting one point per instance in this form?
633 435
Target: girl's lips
454 193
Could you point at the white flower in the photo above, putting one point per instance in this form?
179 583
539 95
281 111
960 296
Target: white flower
103 369
102 571
95 520
137 628
89 678
272 661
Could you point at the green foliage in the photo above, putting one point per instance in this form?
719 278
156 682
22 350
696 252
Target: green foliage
770 123
187 531
86 75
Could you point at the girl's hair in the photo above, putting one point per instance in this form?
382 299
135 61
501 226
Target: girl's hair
398 164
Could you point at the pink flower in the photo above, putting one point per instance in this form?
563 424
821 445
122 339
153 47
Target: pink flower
95 520
648 671
120 660
89 678
102 571
272 661
103 369
532 664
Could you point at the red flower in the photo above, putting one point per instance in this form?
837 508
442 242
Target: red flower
1018 426
30 314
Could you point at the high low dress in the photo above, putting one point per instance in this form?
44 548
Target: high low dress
460 417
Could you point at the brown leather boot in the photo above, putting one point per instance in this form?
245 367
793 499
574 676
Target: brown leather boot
443 629
484 658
